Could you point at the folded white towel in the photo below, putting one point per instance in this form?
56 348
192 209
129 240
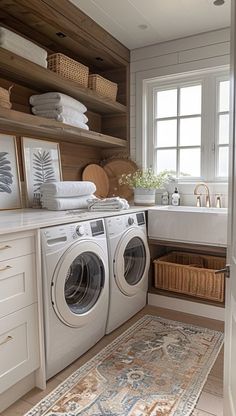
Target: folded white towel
56 100
107 204
61 204
72 122
58 114
22 47
67 189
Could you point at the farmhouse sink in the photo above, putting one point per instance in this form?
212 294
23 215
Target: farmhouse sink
197 225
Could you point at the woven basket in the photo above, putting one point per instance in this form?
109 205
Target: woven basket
68 68
103 86
191 274
5 98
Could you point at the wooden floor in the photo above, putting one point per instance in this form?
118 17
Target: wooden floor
210 402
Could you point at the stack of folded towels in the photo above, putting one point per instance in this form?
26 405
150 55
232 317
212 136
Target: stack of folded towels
60 107
57 196
107 204
22 47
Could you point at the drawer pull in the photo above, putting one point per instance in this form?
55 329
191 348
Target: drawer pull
5 268
7 339
5 247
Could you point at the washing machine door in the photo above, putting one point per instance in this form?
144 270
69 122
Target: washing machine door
131 261
78 283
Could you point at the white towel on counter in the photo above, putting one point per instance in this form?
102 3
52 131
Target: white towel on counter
72 122
107 204
56 100
67 189
60 113
62 204
23 47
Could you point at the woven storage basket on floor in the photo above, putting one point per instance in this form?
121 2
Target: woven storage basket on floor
68 68
191 274
103 86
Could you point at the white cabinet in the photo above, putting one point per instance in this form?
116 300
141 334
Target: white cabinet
17 283
19 352
19 319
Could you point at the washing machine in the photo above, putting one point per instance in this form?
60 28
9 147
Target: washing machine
129 261
75 290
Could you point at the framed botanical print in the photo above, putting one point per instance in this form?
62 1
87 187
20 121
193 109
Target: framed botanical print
41 164
10 194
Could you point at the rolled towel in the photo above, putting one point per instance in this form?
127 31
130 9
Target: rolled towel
108 204
59 113
56 100
62 204
67 189
23 47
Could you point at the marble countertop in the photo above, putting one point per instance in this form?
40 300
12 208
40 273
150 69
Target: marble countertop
32 219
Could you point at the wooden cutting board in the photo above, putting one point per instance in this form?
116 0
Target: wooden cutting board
98 176
114 169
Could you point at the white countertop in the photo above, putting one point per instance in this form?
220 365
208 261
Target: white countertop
32 219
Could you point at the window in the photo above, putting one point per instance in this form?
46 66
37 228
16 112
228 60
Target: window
178 130
188 125
222 145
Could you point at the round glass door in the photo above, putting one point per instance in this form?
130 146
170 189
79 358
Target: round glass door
84 282
134 261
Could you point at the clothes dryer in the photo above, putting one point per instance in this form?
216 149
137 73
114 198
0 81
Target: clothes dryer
129 261
75 290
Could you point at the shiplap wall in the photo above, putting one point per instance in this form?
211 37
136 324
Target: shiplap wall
193 53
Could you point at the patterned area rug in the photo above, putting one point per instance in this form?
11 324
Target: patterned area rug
157 367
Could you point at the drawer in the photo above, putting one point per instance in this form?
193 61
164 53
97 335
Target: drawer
17 284
14 247
19 346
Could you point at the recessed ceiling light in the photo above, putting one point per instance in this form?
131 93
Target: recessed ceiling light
219 2
142 27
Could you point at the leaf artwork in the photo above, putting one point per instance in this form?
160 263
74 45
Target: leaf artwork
43 169
6 177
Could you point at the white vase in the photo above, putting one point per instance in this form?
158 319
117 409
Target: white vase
143 196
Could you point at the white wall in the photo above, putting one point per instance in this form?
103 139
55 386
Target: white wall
193 53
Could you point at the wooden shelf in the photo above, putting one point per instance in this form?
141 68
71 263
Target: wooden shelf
176 295
36 77
26 124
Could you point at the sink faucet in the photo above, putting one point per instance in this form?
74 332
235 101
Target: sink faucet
208 200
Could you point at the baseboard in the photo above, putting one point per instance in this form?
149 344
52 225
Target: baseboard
15 392
181 305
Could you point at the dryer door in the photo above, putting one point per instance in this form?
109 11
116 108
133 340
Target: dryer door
78 283
131 262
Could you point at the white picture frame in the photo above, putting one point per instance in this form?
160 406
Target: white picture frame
10 190
41 163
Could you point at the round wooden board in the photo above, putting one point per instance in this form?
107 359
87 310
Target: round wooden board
98 176
114 169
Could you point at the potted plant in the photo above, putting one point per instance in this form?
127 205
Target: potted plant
144 184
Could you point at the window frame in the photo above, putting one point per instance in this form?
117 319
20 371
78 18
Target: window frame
209 79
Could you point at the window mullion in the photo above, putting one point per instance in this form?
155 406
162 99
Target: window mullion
178 134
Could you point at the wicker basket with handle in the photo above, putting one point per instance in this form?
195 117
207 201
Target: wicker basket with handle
103 86
68 68
191 274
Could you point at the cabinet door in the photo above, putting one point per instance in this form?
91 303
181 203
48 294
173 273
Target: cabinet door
19 346
11 247
17 284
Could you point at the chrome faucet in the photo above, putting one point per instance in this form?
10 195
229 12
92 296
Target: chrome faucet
208 199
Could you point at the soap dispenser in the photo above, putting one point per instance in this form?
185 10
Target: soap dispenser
175 198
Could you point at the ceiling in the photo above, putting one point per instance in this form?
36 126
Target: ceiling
137 23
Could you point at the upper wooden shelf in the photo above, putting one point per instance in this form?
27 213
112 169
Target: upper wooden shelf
19 123
36 77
